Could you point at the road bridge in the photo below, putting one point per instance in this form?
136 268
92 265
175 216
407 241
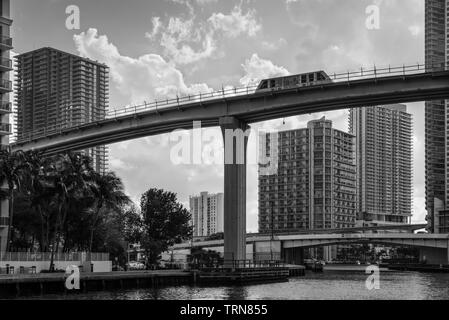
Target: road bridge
433 247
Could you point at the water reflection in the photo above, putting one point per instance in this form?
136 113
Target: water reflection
236 293
328 285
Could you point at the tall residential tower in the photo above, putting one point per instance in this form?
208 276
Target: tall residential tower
5 105
384 163
207 214
315 186
58 89
437 119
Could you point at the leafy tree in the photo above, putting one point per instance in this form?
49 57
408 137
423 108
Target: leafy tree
131 224
70 182
26 231
11 167
204 258
164 223
109 194
62 203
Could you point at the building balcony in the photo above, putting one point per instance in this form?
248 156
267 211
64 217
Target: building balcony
4 222
5 43
5 128
5 107
5 86
5 65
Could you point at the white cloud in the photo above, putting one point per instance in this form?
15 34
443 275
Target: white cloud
276 45
235 23
186 41
257 69
156 21
204 2
147 77
179 34
414 30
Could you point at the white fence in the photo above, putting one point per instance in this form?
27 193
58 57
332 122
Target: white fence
58 256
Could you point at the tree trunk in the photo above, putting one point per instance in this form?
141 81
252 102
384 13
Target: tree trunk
92 229
55 240
10 212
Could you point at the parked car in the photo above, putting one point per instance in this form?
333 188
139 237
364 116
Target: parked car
134 265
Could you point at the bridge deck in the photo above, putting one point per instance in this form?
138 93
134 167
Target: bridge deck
251 108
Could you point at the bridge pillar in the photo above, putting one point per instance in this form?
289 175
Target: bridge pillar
447 253
235 138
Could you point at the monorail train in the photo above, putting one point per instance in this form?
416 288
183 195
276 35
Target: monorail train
294 81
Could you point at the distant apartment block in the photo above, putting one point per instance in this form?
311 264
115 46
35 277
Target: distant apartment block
58 89
207 214
437 119
384 163
5 105
315 186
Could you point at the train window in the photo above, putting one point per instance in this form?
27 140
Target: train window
311 77
264 85
303 78
272 83
319 76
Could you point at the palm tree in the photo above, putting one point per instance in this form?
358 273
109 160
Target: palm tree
71 181
40 189
109 194
12 166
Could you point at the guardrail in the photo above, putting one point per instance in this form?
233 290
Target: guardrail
238 265
58 256
182 101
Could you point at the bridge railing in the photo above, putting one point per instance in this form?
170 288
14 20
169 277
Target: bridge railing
183 101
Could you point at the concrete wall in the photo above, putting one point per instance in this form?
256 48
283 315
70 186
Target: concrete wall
99 266
265 250
434 255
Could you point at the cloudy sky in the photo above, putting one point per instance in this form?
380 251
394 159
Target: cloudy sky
160 48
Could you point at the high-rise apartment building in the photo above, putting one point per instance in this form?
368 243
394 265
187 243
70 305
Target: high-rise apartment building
384 163
315 183
5 105
437 119
207 214
58 89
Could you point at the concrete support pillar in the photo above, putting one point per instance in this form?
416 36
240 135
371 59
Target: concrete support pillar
447 253
235 138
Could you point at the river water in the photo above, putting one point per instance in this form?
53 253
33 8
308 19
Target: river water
329 285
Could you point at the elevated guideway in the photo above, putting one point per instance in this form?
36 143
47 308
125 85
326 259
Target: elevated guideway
236 109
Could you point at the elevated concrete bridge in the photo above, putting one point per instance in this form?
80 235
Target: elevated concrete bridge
237 111
434 247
